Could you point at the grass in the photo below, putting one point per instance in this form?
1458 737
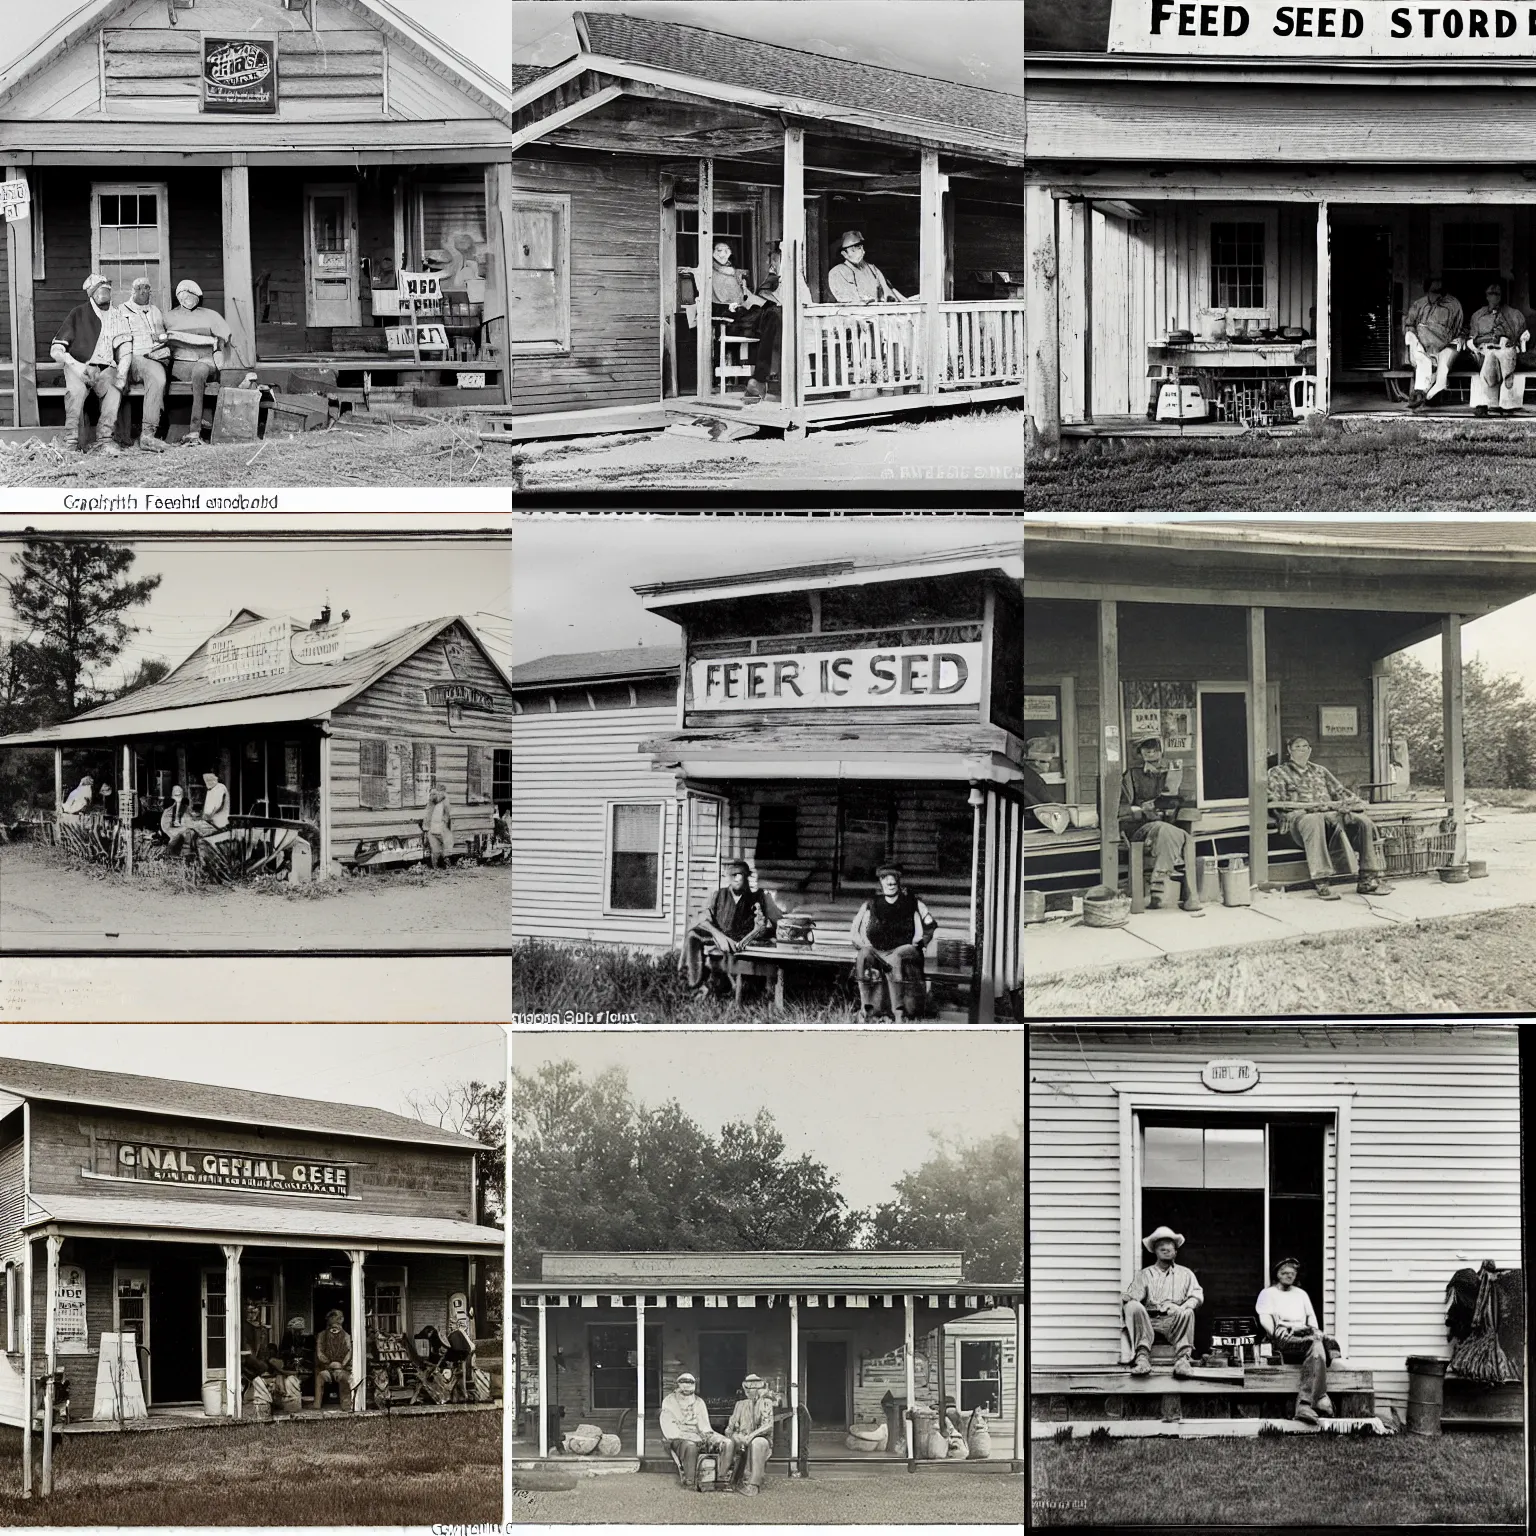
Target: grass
1283 1480
1392 466
1476 964
413 1471
868 1499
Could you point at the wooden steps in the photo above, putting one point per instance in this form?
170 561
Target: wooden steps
1111 1394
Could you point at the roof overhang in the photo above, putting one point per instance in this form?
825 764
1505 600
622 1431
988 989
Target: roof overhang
742 762
1174 69
969 1295
265 709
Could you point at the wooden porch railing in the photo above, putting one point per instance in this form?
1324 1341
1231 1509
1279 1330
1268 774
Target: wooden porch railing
983 343
856 346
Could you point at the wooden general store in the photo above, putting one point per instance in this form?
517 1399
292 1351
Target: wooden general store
375 149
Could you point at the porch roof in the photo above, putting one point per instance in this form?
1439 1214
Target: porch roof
208 1217
724 1267
313 704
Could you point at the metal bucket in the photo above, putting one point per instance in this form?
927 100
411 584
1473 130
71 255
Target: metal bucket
1453 874
1426 1394
1234 883
1209 875
1034 906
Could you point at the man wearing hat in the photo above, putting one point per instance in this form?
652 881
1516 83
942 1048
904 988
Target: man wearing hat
856 281
1149 800
1160 1302
199 338
750 1433
747 314
333 1360
74 348
890 932
133 339
735 917
1285 1313
686 1429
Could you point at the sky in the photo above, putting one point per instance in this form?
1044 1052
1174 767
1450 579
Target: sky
571 579
863 1102
479 29
374 1064
975 42
1504 641
387 584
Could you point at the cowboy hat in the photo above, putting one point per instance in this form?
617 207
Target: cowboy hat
1152 1239
850 237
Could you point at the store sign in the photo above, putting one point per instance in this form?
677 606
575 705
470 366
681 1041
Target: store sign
315 647
231 1170
16 200
403 338
239 74
258 650
69 1311
1260 29
1230 1075
463 695
909 677
1039 706
1338 720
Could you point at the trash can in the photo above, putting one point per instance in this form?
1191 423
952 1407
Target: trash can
1234 882
213 1398
1426 1394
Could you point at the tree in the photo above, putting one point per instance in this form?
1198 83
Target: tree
151 670
1499 724
74 595
969 1197
475 1109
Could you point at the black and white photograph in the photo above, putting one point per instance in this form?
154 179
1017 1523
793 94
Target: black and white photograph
1279 257
1279 768
845 182
876 1240
282 1250
766 769
279 744
255 243
1277 1275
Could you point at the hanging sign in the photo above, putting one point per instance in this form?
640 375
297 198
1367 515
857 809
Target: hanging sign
1338 720
69 1311
420 288
16 200
906 677
464 695
239 74
230 1170
429 338
1230 1075
314 647
1257 29
257 650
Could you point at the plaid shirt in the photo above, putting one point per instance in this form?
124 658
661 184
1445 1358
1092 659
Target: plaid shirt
1174 1286
127 328
1310 785
749 1418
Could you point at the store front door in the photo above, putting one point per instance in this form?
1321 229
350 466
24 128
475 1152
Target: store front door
175 1371
826 1381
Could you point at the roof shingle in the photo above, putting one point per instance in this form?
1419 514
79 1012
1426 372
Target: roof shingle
587 666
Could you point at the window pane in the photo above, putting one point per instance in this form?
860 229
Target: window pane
1172 1157
148 209
1234 1159
634 882
109 210
1237 265
636 828
535 306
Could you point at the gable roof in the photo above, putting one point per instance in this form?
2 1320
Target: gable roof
597 666
47 1080
526 74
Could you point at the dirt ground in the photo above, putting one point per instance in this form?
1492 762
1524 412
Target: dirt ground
445 455
47 903
980 451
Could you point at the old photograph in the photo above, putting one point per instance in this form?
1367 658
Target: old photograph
767 768
1246 1241
289 743
769 1291
1279 768
255 243
841 185
281 1249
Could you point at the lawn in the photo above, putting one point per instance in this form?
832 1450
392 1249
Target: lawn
1392 466
417 1471
938 1498
1306 1480
1483 963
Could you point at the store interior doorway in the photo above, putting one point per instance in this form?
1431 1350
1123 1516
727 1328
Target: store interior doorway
176 1362
826 1381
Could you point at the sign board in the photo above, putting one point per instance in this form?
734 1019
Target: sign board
239 74
230 1170
119 1390
258 650
420 288
69 1311
1230 1075
16 200
1338 720
471 381
464 695
1039 706
1268 29
1146 722
891 1368
429 338
332 261
315 647
905 677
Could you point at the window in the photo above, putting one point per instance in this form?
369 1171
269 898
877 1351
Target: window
1049 723
423 770
1202 1157
722 1365
213 1320
634 857
373 775
981 1375
9 1281
386 1293
611 1349
130 236
778 832
731 227
293 777
501 776
1472 245
869 829
1237 265
451 220
132 1315
540 274
476 762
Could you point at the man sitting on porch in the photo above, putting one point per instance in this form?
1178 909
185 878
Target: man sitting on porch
1312 805
74 349
333 1360
747 314
199 339
215 812
735 917
1500 333
856 281
134 334
1435 334
1161 1302
890 932
263 1377
79 801
686 1429
1285 1313
750 1436
1149 802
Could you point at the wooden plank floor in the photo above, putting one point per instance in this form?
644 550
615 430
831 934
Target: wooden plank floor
1204 1429
1110 1380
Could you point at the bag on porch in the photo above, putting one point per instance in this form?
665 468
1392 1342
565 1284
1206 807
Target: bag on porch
866 1437
609 1445
978 1438
583 1440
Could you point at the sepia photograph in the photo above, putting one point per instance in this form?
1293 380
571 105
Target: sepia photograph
1278 768
766 769
282 1250
1277 1275
767 1290
285 744
842 185
255 243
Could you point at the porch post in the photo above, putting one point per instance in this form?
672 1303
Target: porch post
543 1377
1087 281
324 871
793 266
910 1311
1452 700
1042 367
703 332
1258 753
239 292
498 306
639 1378
125 809
357 1257
1109 743
1018 1383
1324 302
51 1356
26 1375
24 337
234 1315
58 781
931 272
794 1386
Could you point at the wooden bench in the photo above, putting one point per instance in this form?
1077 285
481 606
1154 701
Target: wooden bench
1399 380
772 961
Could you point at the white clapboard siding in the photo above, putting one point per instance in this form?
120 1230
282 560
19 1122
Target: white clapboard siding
1434 1171
565 768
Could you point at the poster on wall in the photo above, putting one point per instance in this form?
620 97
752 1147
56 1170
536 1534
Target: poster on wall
1165 710
69 1311
240 74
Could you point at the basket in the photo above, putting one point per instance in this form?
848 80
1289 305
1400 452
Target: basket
1415 848
1104 908
954 955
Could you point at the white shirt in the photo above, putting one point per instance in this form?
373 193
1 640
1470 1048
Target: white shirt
216 805
1292 1308
79 800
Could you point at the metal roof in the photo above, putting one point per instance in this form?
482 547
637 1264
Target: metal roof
597 666
336 1224
939 1267
47 1080
1453 542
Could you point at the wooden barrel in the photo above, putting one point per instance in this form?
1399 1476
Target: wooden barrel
1426 1393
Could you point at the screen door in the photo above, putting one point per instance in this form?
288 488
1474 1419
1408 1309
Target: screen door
330 255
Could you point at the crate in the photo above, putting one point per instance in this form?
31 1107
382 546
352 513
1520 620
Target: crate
1415 848
1254 403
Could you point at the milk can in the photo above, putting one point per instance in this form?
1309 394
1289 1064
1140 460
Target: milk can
1234 882
1210 886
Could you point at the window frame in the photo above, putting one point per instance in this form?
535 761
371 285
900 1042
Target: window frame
363 804
1065 687
560 202
659 911
11 1330
482 796
417 747
160 190
997 1381
653 1362
1239 213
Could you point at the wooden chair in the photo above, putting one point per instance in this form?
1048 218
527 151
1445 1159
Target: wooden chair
728 367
